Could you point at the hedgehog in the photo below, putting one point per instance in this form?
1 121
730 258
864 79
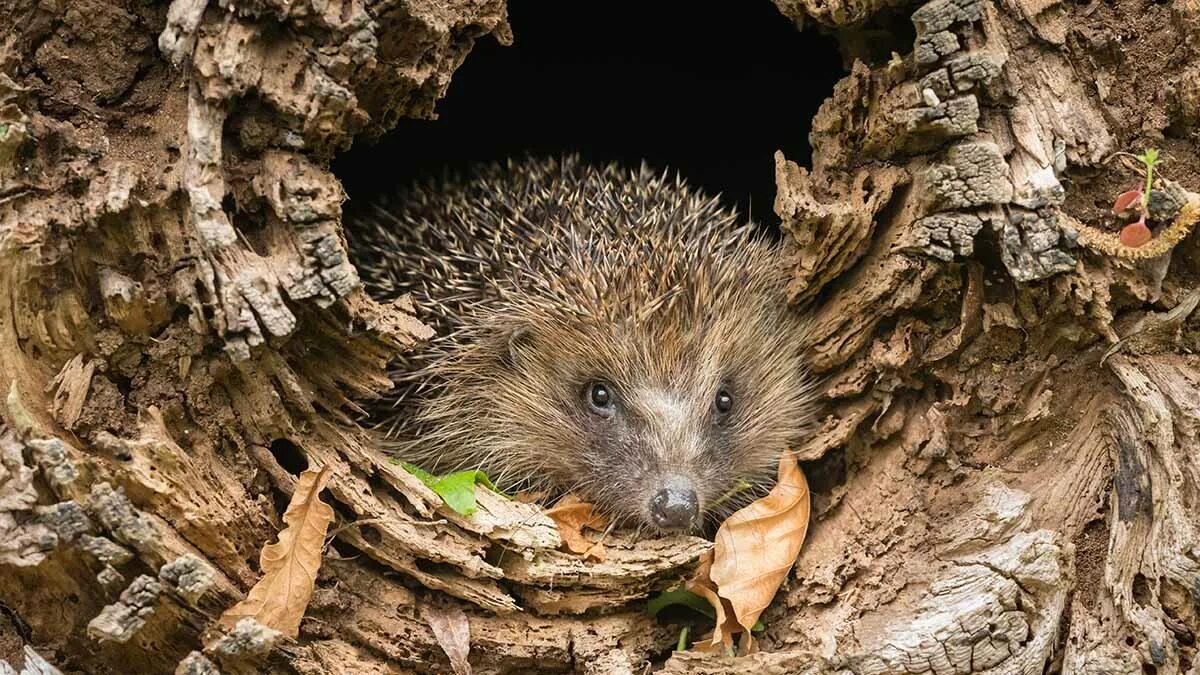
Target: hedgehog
608 332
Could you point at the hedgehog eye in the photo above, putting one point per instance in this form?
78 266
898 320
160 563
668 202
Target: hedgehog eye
600 398
724 401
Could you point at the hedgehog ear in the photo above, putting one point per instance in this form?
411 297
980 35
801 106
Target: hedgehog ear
520 344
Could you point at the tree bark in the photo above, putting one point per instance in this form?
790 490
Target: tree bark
1010 450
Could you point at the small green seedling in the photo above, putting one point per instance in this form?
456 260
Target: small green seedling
456 489
1136 202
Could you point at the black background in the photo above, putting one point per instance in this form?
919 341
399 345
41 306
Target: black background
710 89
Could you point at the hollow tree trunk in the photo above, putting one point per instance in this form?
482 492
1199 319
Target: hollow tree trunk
1013 396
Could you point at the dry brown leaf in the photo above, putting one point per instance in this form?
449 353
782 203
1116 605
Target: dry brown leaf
572 516
726 625
755 549
289 566
452 631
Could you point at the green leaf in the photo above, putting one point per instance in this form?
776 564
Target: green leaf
427 478
1150 159
456 489
482 479
680 596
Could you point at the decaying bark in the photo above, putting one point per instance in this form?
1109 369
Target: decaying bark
1013 397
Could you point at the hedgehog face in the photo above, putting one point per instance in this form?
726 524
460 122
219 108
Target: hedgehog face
664 446
657 428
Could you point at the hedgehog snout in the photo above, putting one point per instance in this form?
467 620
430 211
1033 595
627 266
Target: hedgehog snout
675 506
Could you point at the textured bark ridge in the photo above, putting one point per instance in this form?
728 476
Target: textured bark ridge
1013 397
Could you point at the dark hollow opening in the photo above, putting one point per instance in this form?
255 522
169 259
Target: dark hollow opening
289 455
711 90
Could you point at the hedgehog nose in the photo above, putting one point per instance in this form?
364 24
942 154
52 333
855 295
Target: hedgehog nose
674 509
